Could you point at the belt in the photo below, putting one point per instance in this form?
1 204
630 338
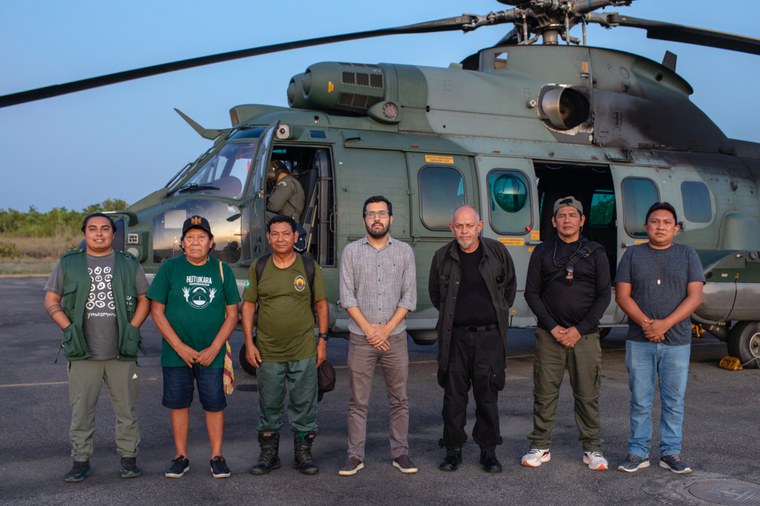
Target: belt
476 328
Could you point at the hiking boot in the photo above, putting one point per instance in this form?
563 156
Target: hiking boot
178 467
219 467
352 466
674 463
535 457
404 464
79 471
595 461
633 463
129 468
269 458
302 459
452 459
488 460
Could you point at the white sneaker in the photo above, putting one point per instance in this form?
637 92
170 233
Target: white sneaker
535 457
595 461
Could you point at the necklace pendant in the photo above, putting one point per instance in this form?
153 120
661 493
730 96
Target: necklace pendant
659 282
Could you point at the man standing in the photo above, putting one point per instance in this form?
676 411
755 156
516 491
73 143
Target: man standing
287 196
658 285
104 304
285 348
194 304
568 289
378 288
472 284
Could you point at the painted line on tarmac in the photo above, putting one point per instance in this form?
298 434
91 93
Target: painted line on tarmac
50 383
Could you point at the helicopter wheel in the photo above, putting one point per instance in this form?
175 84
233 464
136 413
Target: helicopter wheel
744 343
244 363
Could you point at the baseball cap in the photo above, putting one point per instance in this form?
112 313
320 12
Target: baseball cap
196 222
325 379
568 201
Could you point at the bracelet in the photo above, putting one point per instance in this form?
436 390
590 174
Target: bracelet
323 335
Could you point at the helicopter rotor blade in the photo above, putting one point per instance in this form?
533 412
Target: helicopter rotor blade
681 33
463 22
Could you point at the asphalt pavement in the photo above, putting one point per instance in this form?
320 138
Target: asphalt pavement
719 442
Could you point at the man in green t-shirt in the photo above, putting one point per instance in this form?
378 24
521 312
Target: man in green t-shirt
194 301
285 348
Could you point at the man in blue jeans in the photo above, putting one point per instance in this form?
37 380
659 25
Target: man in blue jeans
658 285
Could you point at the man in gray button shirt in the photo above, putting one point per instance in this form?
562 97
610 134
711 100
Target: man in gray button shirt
377 289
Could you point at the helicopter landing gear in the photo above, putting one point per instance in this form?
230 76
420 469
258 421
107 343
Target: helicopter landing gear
744 343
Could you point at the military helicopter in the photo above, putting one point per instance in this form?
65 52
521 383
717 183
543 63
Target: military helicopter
537 116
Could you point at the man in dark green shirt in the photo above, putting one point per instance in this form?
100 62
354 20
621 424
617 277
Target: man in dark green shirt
285 348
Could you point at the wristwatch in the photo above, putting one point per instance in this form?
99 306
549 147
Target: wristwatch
323 335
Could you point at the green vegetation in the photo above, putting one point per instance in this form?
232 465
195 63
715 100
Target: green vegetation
31 242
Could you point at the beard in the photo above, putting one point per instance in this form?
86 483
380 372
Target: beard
378 232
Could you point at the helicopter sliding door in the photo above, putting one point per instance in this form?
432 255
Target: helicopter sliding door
254 206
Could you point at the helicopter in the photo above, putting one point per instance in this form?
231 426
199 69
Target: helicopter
537 116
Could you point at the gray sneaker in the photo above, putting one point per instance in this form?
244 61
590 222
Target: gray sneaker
674 463
79 471
129 468
633 463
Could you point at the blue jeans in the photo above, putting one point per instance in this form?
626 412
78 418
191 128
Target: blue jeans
646 363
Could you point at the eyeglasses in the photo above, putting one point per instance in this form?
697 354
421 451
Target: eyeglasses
376 214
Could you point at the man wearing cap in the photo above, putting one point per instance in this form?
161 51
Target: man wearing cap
378 287
97 296
568 289
658 285
287 196
194 300
472 284
285 352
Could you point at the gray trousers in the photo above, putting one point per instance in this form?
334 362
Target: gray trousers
123 382
362 358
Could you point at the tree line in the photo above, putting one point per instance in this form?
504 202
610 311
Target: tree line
59 221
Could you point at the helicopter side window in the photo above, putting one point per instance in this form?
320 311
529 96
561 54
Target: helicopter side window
509 208
638 195
441 192
697 207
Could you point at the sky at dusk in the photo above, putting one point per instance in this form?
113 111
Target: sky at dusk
125 140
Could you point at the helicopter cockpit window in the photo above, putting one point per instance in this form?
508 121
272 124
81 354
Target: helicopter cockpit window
697 207
509 208
441 192
638 195
224 174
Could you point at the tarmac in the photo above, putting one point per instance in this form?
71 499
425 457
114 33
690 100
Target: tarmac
719 442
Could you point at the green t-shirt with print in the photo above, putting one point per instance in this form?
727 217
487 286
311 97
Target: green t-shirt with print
285 320
196 302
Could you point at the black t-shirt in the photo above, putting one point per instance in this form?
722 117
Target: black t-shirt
474 305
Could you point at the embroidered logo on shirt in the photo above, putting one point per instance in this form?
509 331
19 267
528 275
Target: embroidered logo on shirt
299 283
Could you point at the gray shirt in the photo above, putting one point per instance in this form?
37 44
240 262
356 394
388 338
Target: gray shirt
378 281
101 329
675 267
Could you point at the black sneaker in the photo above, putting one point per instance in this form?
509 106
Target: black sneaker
674 463
179 467
129 468
219 467
79 471
633 463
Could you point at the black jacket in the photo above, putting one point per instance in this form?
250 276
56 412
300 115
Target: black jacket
498 272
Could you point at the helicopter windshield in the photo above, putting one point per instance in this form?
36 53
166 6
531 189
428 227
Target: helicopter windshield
224 174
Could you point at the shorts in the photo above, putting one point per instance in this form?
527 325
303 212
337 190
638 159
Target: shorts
178 387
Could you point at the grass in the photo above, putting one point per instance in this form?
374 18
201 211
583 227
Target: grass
32 256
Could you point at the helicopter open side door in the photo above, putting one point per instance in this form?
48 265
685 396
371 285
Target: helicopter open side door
253 224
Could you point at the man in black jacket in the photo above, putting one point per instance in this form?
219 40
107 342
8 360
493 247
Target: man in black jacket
568 289
472 284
